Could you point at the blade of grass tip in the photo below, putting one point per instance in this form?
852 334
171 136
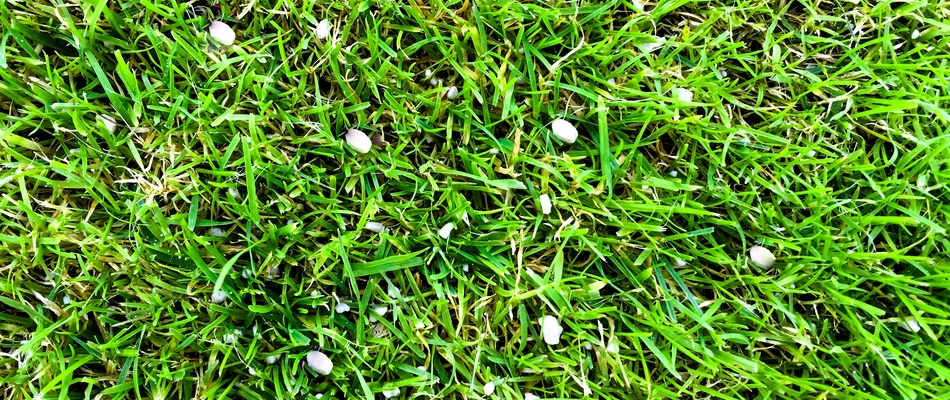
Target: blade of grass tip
252 202
679 281
603 144
193 213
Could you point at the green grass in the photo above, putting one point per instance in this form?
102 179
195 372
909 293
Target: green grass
818 129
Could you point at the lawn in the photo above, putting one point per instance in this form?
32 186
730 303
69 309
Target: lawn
473 199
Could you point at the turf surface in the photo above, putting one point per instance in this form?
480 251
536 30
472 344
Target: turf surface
184 219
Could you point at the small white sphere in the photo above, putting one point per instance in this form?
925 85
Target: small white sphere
342 307
452 93
489 388
222 33
915 35
375 226
684 95
910 325
446 230
391 393
428 73
271 359
564 130
680 262
762 257
611 81
545 202
550 330
218 297
531 396
613 347
216 232
358 141
319 362
381 310
323 29
108 122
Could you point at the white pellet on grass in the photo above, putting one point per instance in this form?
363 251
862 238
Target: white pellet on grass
446 230
762 257
680 262
550 330
489 388
452 93
216 232
381 310
270 359
465 268
563 130
108 122
251 371
612 346
390 393
222 33
611 81
545 202
639 6
420 325
531 396
323 29
66 299
247 273
435 81
219 297
674 173
319 362
812 153
428 73
358 141
229 338
341 308
234 193
915 35
588 346
422 368
375 226
650 47
909 324
684 95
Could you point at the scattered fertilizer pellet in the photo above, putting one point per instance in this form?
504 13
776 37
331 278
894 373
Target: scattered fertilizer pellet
565 131
762 256
319 362
222 33
446 230
323 29
550 330
358 141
